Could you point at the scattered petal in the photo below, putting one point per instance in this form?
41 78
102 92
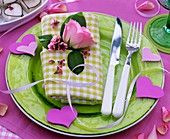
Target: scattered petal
165 115
139 136
1 49
42 14
153 133
57 8
3 109
147 5
162 129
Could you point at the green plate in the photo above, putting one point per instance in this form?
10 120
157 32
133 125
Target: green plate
23 69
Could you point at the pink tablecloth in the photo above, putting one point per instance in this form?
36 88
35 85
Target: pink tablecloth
18 123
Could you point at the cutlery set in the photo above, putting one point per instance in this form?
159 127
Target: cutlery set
132 45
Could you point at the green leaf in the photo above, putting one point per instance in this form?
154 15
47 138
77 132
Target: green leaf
79 17
75 58
45 40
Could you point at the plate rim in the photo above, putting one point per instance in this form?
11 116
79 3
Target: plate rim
85 135
44 2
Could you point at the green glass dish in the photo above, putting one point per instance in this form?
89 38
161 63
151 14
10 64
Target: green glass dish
24 69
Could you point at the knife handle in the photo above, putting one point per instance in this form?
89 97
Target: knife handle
106 108
119 103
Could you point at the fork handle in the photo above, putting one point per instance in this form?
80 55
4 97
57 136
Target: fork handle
119 104
106 108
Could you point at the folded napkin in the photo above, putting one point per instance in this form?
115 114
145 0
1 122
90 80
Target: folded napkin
57 90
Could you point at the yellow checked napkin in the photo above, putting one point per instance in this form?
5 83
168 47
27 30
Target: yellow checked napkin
80 95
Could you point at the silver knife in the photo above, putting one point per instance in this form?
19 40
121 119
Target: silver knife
106 108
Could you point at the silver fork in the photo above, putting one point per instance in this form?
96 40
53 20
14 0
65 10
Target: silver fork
132 45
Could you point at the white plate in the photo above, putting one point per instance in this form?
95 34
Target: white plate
4 26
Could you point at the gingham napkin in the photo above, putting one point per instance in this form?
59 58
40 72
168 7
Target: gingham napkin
80 95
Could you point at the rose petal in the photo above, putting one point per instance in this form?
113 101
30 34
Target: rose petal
165 115
162 129
57 8
139 136
1 49
3 109
42 14
153 133
147 5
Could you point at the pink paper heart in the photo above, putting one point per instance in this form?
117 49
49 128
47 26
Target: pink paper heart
26 40
147 55
63 117
145 89
30 49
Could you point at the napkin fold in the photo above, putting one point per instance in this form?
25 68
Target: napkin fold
80 95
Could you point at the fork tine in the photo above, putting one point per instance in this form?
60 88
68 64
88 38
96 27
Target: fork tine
136 33
133 33
129 33
140 34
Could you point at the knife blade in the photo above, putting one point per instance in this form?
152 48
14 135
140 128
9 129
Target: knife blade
114 60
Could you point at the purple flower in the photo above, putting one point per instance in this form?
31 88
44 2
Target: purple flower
62 46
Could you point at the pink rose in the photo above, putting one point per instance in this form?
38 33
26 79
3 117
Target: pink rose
77 36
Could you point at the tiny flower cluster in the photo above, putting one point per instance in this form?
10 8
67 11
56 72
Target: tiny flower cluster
54 23
57 44
85 53
59 70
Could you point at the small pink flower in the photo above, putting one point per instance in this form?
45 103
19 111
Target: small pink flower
153 133
165 115
51 61
62 46
55 39
59 71
86 53
61 63
54 23
162 129
51 47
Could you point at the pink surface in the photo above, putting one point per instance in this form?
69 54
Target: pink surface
17 122
145 89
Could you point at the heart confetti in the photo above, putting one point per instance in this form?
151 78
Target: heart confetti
147 55
145 89
64 117
30 49
26 41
